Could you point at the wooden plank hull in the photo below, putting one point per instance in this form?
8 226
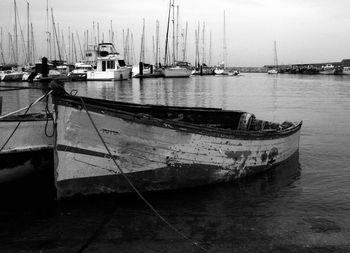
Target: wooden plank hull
28 151
155 156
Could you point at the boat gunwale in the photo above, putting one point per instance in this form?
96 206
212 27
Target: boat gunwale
147 119
26 149
28 117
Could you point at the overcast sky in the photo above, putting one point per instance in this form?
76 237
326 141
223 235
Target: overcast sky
306 31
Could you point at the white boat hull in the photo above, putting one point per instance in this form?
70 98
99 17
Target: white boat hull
272 71
12 77
328 72
177 72
110 75
154 157
220 72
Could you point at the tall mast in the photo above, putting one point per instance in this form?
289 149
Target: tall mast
209 51
142 53
80 48
11 49
98 33
275 49
69 45
132 49
196 62
173 5
177 32
185 43
87 42
167 37
74 49
28 34
93 37
33 43
16 39
55 34
64 47
127 46
203 45
1 48
112 34
198 39
124 46
48 42
157 43
154 49
224 41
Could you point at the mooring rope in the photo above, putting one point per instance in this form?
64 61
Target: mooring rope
196 244
21 118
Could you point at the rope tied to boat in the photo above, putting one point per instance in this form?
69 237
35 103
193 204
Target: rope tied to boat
48 118
21 118
196 244
27 107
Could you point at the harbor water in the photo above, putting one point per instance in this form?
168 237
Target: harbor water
302 206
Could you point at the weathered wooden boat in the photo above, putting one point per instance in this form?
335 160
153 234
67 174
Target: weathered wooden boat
26 146
161 147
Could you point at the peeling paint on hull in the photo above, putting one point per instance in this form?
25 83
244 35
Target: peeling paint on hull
154 156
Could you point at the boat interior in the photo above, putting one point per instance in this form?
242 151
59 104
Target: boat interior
204 117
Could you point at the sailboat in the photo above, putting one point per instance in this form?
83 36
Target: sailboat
274 70
177 68
221 68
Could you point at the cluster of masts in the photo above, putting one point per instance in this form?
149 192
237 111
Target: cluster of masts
28 52
71 48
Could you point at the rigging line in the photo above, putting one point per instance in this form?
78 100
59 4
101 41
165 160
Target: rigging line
27 107
196 244
19 122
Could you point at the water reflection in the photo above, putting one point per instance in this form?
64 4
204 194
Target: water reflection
273 208
213 215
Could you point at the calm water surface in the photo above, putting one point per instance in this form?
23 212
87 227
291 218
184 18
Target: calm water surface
302 206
